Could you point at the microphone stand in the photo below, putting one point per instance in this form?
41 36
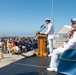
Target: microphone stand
42 28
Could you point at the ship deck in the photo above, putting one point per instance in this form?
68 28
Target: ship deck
28 66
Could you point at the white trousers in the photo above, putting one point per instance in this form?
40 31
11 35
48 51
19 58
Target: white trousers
17 48
54 59
50 41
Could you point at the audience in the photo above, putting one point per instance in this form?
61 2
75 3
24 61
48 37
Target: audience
19 45
10 47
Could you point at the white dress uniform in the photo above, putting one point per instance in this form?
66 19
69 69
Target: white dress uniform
50 33
56 52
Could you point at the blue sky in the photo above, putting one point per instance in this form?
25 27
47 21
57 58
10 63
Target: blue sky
24 17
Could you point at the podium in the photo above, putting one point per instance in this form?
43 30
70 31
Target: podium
42 45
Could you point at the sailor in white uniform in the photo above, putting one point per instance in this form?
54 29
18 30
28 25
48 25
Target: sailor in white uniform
71 44
50 33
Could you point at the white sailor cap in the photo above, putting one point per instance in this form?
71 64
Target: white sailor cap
47 19
73 20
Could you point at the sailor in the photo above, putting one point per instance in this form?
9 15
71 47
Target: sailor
50 33
71 44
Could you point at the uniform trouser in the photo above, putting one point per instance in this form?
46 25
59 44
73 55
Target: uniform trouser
50 41
55 54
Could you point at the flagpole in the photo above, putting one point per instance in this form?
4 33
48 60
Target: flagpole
53 12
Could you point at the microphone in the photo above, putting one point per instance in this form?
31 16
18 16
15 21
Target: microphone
41 26
44 26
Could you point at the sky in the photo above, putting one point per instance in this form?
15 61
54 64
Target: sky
24 17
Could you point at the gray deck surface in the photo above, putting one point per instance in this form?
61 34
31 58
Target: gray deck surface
28 66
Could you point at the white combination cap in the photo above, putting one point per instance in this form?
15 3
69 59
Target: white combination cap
47 19
73 20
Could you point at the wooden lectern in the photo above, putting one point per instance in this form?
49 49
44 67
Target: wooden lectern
42 44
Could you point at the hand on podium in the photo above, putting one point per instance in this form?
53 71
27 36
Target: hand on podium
43 33
37 32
